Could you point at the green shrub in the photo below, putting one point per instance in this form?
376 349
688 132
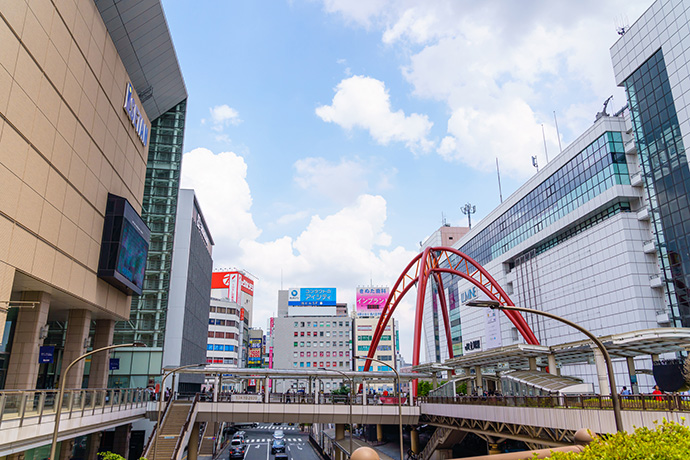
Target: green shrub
667 441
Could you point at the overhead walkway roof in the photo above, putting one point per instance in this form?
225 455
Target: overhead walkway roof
548 382
644 342
295 374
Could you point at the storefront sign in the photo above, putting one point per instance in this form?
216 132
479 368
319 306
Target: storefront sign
114 364
45 354
135 115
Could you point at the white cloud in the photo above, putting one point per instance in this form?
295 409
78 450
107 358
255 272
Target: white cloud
363 102
502 65
223 193
344 249
223 116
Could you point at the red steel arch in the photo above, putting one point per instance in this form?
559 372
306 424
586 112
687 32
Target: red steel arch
431 263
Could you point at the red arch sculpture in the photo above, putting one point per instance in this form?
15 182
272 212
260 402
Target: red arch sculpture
432 262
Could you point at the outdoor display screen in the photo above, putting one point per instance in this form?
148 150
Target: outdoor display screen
124 247
131 261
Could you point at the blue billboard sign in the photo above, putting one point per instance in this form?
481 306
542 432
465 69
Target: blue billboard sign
114 364
45 354
311 296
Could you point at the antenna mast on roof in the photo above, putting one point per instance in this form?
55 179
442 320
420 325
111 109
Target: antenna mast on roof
558 134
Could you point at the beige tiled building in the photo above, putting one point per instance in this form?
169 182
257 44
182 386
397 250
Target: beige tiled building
66 142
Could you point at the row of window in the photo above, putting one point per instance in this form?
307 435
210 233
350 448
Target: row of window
216 360
378 368
592 171
217 347
321 323
222 335
226 310
320 334
222 322
320 364
309 354
369 338
321 344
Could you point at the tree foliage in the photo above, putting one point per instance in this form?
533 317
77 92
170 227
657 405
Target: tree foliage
423 388
666 441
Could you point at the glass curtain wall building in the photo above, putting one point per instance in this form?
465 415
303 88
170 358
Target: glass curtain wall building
651 62
148 313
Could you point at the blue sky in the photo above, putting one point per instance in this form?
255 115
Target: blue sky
325 139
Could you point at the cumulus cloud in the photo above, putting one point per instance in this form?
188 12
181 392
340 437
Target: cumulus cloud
223 116
493 62
344 249
223 193
363 102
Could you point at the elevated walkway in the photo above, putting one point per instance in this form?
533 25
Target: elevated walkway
548 420
27 418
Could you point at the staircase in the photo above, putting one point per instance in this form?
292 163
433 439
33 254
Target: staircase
170 431
207 440
443 438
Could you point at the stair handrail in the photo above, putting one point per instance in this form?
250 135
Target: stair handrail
202 434
168 405
185 426
433 442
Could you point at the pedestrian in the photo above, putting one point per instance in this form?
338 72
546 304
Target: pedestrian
625 392
657 392
287 397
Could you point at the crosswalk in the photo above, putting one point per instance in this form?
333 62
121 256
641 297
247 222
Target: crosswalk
276 427
262 440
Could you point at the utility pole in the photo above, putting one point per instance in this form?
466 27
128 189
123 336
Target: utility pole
468 210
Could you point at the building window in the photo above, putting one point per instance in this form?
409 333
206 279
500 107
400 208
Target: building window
301 333
301 364
341 353
301 354
295 333
220 335
367 338
295 344
308 343
328 354
209 347
340 324
296 323
301 344
211 334
294 354
308 364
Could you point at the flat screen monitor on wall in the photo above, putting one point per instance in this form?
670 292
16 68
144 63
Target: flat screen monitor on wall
124 247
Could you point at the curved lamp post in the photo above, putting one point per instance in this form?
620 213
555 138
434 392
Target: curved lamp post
160 403
63 379
351 397
607 358
397 379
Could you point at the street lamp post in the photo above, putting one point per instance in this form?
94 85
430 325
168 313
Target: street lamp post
63 379
397 379
607 358
350 405
160 403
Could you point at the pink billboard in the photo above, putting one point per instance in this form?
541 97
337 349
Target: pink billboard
371 299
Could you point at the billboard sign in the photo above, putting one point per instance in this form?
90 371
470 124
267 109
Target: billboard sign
234 282
45 354
371 298
311 296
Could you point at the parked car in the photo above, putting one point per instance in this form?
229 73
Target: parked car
278 445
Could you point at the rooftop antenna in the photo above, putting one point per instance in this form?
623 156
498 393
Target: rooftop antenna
498 173
543 135
444 222
468 210
558 134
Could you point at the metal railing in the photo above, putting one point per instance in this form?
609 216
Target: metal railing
662 402
303 398
21 405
